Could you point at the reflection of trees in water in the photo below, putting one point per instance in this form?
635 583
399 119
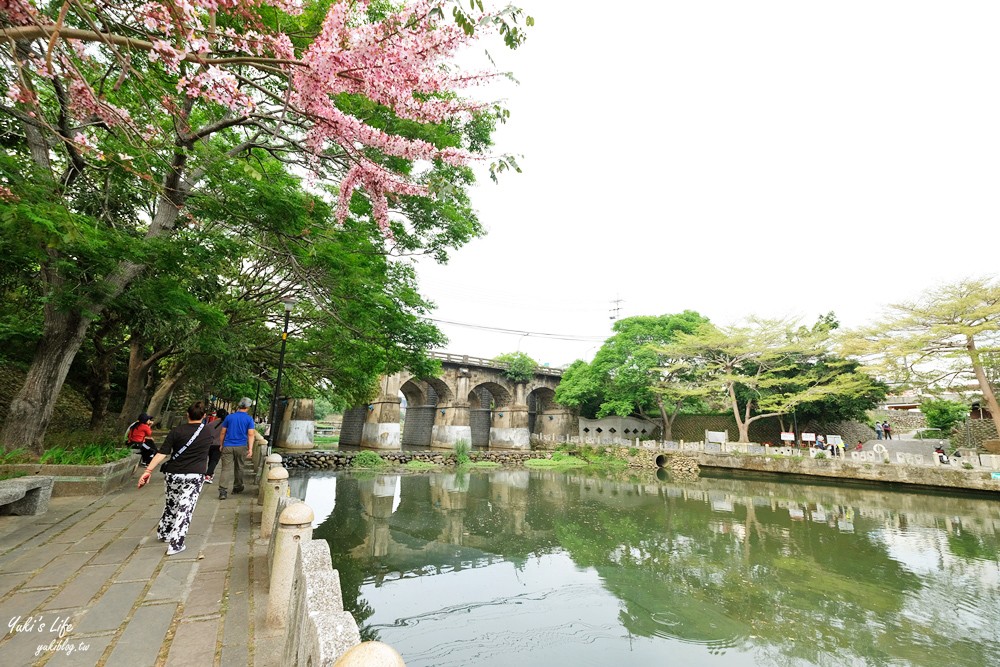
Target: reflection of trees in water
344 530
793 573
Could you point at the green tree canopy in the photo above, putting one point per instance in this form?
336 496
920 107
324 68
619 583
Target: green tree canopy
943 414
761 369
519 367
949 336
628 374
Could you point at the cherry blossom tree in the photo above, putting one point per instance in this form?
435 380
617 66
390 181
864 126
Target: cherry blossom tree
148 98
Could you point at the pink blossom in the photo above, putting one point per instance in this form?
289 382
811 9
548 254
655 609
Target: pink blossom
404 62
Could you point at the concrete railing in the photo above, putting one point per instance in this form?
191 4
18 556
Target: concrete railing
304 595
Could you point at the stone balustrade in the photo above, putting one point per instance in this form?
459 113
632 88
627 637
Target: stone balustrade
304 596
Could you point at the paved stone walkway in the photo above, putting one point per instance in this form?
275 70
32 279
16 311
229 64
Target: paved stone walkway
92 568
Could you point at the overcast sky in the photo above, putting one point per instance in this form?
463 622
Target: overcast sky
778 159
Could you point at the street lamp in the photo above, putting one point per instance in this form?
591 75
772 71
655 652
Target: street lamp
288 303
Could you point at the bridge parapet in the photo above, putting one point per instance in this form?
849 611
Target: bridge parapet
480 362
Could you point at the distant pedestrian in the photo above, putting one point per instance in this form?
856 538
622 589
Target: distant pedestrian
887 430
858 447
878 431
237 435
215 453
187 446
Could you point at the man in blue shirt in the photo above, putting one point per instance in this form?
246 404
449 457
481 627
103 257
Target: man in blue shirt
236 436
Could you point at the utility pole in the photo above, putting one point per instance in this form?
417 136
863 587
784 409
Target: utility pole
616 308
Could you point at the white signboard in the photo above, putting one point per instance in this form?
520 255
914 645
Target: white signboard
834 440
790 437
809 437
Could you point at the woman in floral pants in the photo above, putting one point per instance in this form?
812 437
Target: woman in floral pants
187 446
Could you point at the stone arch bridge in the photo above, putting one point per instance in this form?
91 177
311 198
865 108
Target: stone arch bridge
472 400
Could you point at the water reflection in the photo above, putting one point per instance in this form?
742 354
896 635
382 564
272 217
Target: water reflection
547 568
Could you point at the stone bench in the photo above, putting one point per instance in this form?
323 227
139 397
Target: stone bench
25 495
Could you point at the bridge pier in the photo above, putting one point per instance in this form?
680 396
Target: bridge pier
510 423
451 424
381 429
510 428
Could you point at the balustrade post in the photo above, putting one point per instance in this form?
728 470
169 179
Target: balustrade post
294 527
276 487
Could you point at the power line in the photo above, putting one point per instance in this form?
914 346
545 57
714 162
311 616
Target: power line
520 332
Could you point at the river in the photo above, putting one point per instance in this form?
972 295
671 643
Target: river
517 567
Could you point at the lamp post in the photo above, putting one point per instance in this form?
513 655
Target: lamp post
288 303
256 397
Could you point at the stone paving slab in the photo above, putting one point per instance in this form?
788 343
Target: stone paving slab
173 582
59 570
31 562
112 607
194 643
82 589
86 653
143 637
207 593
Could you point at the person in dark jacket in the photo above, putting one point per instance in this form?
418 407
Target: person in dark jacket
187 446
215 453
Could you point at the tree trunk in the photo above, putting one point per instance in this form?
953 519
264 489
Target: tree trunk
984 382
31 410
167 385
742 425
99 390
135 390
668 419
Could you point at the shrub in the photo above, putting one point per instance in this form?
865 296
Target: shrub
19 455
967 465
821 455
85 454
367 459
633 451
462 452
944 414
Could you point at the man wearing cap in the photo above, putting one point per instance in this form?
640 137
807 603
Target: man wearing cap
236 436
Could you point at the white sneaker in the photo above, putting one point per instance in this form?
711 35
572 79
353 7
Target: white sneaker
208 479
171 552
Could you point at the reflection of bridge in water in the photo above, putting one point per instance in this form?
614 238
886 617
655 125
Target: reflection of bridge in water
438 523
471 400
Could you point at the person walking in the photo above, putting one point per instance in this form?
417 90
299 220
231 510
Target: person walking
215 453
237 435
878 430
187 446
887 430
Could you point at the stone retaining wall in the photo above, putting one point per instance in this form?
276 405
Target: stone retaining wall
927 476
686 459
336 459
972 432
899 420
73 480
